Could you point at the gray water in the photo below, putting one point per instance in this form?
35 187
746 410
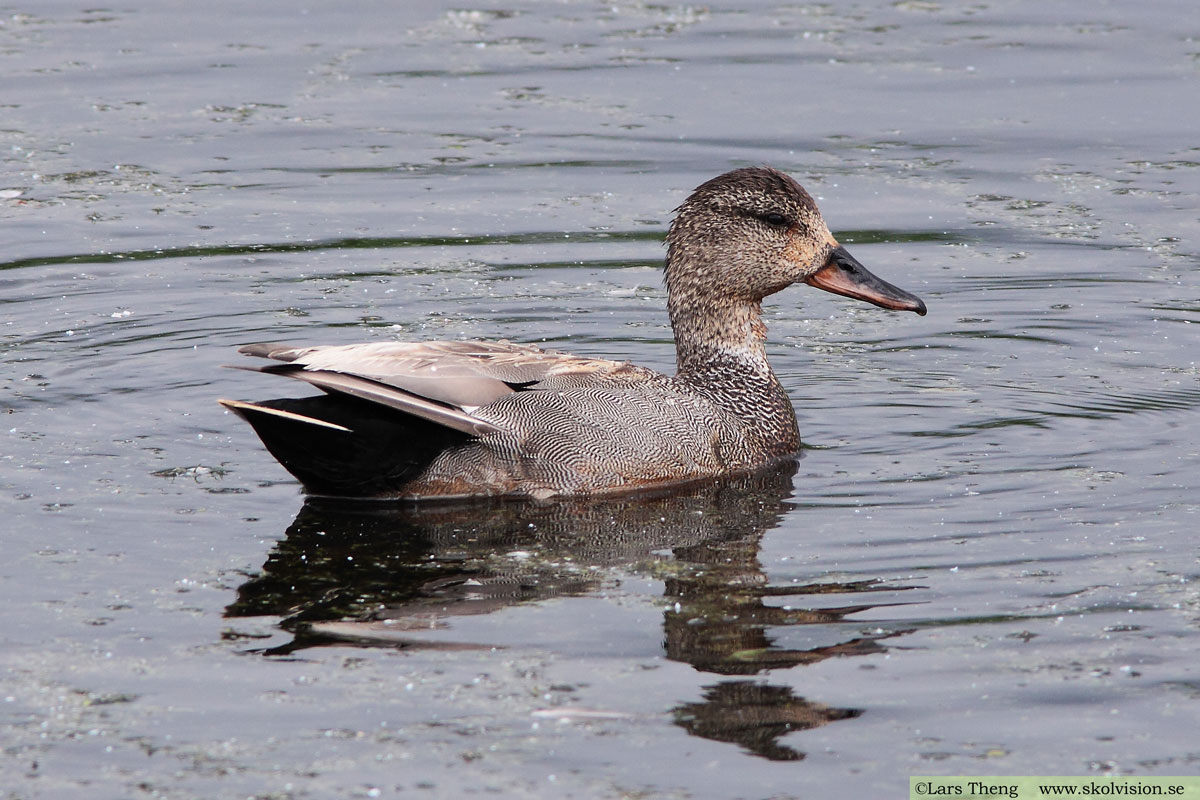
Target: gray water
985 562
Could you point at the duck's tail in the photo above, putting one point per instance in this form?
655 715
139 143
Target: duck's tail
343 446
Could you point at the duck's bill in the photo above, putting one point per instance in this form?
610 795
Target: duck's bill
842 274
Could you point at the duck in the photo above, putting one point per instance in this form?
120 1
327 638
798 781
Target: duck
455 420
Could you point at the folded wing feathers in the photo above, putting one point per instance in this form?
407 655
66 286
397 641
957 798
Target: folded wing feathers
366 389
440 381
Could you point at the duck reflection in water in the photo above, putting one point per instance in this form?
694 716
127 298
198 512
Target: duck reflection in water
385 575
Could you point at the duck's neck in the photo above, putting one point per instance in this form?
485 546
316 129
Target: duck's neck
721 353
726 336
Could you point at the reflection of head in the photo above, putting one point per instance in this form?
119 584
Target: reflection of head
755 716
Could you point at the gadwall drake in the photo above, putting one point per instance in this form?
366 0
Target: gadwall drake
464 419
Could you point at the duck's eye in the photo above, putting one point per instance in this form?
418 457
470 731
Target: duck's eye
776 219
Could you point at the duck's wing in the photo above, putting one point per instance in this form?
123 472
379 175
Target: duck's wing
444 382
389 409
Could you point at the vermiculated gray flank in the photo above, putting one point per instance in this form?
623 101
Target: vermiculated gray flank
460 419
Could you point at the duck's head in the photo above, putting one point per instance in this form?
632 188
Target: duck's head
754 231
